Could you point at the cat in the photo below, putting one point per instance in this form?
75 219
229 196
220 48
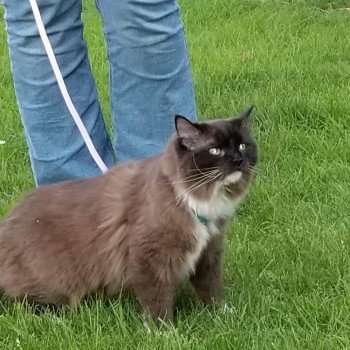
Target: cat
144 226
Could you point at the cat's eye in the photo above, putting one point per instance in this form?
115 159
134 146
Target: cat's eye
242 146
215 151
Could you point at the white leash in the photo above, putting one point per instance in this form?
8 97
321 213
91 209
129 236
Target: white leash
63 87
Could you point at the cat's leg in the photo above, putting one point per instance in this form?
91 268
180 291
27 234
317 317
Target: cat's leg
155 292
207 279
20 282
156 300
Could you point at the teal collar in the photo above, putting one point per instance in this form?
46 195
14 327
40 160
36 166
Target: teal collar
201 218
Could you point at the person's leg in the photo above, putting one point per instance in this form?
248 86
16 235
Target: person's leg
57 150
150 74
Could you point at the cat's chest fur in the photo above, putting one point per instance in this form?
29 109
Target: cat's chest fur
208 216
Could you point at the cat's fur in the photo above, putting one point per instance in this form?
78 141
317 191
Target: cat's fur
138 227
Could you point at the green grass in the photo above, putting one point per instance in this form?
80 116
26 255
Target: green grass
287 266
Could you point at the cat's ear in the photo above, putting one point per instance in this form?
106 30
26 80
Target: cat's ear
244 119
189 133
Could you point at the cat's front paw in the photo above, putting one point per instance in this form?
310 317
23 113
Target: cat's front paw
228 309
151 326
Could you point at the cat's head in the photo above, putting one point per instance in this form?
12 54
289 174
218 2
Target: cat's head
216 152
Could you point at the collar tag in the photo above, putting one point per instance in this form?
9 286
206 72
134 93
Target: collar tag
201 218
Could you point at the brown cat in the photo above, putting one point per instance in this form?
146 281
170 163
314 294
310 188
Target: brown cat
143 226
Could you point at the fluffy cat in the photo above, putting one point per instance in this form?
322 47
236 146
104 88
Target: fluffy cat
144 226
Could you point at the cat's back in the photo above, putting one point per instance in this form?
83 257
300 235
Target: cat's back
77 208
66 203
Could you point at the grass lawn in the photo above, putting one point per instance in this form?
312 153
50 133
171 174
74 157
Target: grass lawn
287 265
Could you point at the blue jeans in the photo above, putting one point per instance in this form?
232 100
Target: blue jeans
150 82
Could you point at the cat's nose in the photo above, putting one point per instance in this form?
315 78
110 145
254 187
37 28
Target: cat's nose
237 159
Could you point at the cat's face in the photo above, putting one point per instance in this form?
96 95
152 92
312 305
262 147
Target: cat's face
216 151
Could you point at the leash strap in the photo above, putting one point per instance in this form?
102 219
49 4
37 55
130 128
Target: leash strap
63 88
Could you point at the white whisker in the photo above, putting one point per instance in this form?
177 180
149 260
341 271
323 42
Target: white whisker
194 177
194 161
196 186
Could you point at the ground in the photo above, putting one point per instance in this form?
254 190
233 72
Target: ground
287 265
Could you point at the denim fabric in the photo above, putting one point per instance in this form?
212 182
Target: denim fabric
150 82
